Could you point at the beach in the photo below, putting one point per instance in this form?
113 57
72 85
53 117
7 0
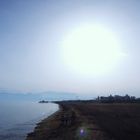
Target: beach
77 120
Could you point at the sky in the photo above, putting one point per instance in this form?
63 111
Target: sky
31 33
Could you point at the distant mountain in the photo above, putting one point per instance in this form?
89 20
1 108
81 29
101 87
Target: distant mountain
49 96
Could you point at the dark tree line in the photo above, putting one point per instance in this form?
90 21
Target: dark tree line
118 99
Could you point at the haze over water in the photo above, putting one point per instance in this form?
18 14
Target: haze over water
19 118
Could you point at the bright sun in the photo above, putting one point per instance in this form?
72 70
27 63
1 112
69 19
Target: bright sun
91 49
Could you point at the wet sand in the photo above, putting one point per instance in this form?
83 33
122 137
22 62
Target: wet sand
90 121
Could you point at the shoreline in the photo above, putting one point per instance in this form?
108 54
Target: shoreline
47 128
88 121
45 121
55 128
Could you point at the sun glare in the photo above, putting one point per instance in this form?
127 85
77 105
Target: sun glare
91 49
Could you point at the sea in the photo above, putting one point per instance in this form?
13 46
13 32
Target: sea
18 118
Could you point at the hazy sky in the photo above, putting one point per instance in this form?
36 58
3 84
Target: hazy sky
31 32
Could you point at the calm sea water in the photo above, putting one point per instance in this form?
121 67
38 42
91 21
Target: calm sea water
19 118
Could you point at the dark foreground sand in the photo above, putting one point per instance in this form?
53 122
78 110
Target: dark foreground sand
90 121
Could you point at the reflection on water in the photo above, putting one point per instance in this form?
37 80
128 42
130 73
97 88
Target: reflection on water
19 118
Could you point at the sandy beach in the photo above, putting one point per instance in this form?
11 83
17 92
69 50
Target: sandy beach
90 121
